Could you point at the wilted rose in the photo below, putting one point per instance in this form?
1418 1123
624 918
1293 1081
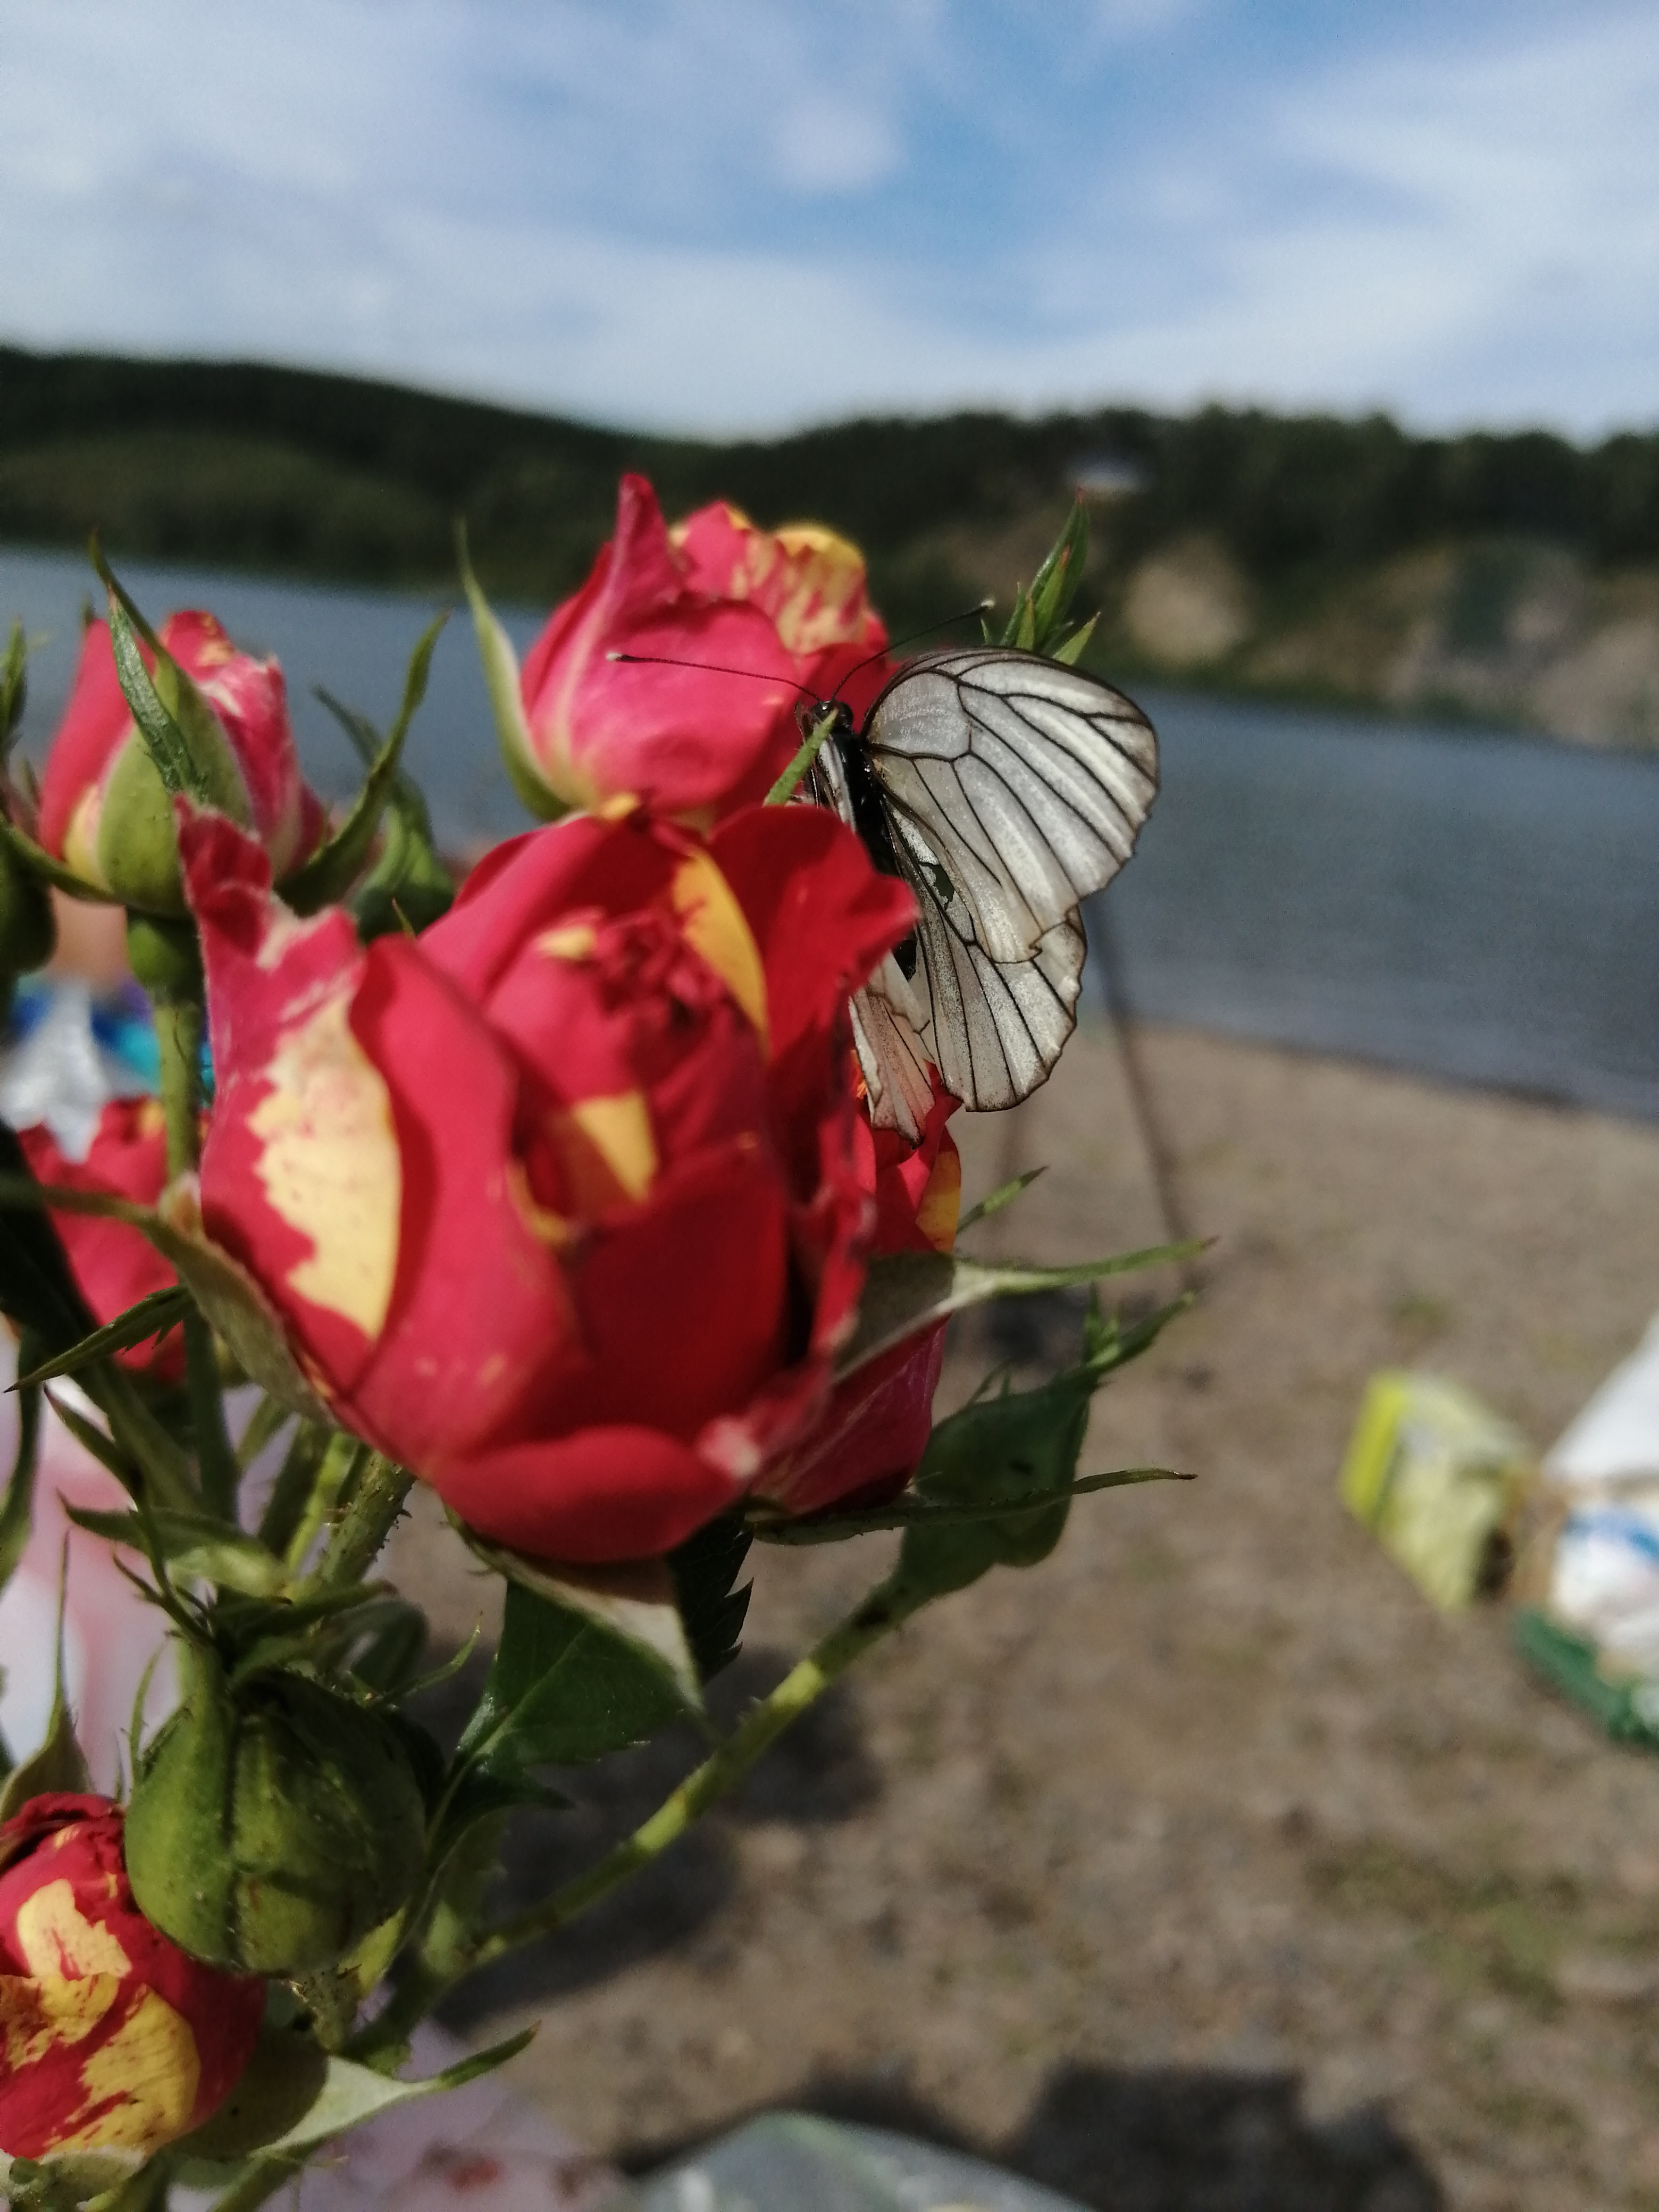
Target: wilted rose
113 1264
104 810
785 608
561 1205
113 2038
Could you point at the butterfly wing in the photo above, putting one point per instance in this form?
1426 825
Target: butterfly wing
1015 786
1010 789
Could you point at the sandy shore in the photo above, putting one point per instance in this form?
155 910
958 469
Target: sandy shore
1205 1864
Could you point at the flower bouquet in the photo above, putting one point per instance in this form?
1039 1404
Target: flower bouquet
611 1196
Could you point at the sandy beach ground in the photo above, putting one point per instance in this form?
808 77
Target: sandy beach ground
1205 1865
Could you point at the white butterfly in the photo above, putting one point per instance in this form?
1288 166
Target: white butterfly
1005 788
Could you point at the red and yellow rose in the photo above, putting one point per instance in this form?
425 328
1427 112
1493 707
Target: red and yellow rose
112 2037
759 615
565 1205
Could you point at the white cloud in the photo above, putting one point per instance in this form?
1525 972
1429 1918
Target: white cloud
737 215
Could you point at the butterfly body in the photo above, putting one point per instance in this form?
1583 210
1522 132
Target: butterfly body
1005 788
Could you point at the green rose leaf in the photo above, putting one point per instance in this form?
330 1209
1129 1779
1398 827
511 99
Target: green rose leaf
634 1603
150 1317
563 1689
905 1292
341 2095
1001 1473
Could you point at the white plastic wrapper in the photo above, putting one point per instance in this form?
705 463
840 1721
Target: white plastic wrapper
1604 1571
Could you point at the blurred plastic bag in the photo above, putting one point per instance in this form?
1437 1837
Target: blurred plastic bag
479 2147
1592 1570
791 2162
1440 1478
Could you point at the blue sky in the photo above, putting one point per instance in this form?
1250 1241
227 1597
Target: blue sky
734 215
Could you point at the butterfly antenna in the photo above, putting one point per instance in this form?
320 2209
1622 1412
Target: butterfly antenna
897 644
712 668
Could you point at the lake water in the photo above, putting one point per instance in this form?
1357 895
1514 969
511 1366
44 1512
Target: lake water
1474 906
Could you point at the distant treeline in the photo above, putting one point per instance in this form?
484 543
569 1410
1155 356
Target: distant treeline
329 475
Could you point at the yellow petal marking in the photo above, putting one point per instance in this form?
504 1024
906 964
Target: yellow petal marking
550 1229
574 941
713 925
54 1936
607 1149
330 1167
824 603
941 1202
151 2065
40 2014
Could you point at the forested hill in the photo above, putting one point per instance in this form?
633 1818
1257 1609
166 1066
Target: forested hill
1311 554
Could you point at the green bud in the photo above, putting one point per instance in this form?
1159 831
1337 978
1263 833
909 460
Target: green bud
137 852
27 932
272 1829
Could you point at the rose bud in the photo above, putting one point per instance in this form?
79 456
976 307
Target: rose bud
560 1204
785 609
875 1428
104 810
115 1266
114 2039
271 1829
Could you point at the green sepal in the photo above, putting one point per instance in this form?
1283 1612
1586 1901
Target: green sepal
17 1508
500 676
151 1317
1039 621
329 873
185 754
1073 650
105 1450
13 691
905 1292
993 1202
59 1764
37 862
264 1636
409 887
191 1547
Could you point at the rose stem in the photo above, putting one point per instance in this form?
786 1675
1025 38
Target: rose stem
165 959
365 1523
880 1612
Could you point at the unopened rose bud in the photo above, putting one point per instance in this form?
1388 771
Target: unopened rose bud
113 2038
104 810
270 1829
